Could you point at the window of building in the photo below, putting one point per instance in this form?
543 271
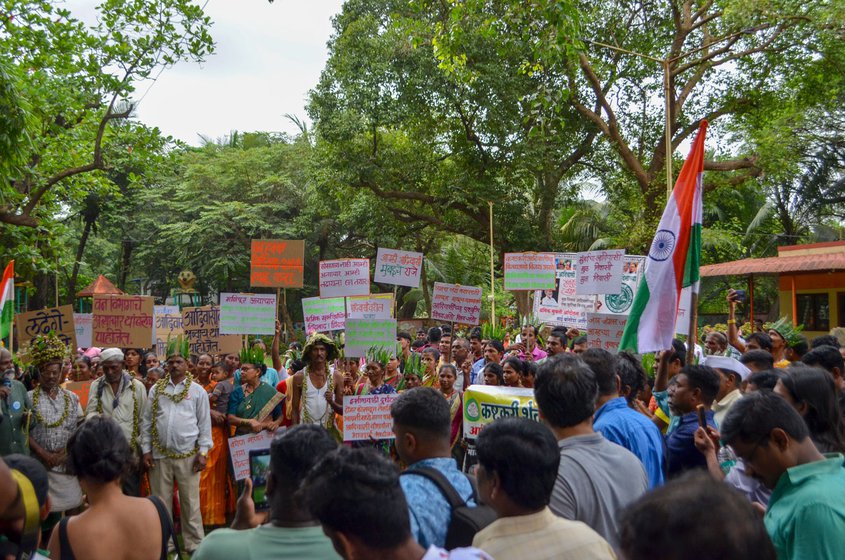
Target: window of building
813 311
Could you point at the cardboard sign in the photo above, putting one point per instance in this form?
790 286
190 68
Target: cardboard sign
56 319
167 325
83 325
344 277
562 306
529 271
247 313
402 268
363 334
604 330
123 321
240 446
454 303
276 263
621 302
599 272
373 306
367 417
483 404
323 315
81 389
202 329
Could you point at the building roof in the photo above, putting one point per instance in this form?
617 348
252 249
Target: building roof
100 286
777 265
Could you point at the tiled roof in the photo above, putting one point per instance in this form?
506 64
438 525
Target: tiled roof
777 265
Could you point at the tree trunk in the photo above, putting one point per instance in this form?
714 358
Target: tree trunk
125 260
80 250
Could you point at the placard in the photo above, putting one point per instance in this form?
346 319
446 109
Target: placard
240 446
167 325
599 272
55 319
83 325
483 404
604 330
323 315
368 417
81 389
456 303
276 263
684 305
344 277
202 329
373 306
529 271
123 321
363 334
621 302
402 268
571 309
247 313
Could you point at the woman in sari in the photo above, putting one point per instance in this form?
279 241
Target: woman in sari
448 376
430 357
133 363
215 484
251 398
512 369
392 375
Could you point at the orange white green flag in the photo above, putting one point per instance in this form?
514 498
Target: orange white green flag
7 300
673 260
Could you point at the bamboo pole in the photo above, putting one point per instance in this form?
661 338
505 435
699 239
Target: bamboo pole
492 272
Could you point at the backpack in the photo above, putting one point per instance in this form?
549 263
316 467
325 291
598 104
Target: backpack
466 520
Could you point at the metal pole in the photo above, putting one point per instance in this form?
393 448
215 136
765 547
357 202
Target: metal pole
492 272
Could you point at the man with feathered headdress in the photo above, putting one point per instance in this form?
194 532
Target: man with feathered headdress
176 438
317 390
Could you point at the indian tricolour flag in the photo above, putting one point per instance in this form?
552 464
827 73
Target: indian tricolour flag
7 301
673 260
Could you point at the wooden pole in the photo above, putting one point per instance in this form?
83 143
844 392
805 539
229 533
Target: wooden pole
692 337
492 272
794 303
751 301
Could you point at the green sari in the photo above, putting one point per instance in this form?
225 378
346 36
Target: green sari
249 406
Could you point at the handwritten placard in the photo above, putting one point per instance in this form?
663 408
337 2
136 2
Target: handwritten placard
123 321
604 330
571 309
363 334
81 389
621 302
367 417
344 277
167 325
374 306
240 446
455 303
599 272
323 315
276 263
529 271
402 268
56 319
83 325
684 306
247 313
202 329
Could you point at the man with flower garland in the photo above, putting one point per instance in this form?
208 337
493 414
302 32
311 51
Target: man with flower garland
176 437
121 397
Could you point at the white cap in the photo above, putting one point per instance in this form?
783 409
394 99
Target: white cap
111 354
729 364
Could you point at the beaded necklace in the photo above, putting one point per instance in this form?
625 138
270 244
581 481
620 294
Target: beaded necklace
36 394
158 390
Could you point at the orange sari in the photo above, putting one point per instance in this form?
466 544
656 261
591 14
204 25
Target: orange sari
217 494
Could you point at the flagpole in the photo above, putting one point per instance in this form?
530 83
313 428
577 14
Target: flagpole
492 272
693 325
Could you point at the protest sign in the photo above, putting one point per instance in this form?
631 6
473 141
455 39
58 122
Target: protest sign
562 306
81 389
240 446
276 263
367 417
247 313
401 268
529 271
363 334
483 404
323 315
599 272
123 321
373 306
620 303
83 325
202 329
684 306
344 277
167 324
604 330
455 303
56 319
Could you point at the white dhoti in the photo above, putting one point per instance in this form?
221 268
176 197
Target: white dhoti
65 492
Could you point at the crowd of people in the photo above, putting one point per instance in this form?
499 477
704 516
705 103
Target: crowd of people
737 454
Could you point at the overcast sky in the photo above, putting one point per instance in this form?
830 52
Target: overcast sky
267 57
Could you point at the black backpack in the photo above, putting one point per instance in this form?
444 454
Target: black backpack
466 520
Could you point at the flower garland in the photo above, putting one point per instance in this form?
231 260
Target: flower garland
327 419
36 394
136 414
158 390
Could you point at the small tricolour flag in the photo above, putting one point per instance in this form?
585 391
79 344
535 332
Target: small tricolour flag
7 300
673 260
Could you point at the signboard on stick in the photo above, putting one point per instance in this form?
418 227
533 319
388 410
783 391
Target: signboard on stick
81 389
167 325
456 303
123 321
621 302
247 313
561 305
276 263
83 324
402 268
202 329
599 272
373 306
529 271
363 334
483 404
55 319
344 277
323 315
368 417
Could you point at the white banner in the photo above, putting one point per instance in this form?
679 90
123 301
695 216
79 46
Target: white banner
599 272
344 277
247 313
402 268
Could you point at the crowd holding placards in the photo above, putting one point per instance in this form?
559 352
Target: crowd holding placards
585 454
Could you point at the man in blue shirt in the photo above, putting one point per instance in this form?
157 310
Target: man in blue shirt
620 423
493 352
696 385
421 424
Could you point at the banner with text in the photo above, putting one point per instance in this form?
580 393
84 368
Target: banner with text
373 306
367 417
323 314
401 268
276 263
563 306
123 321
202 329
455 303
240 446
620 303
344 277
83 325
56 319
529 271
604 330
483 404
247 313
599 272
363 334
167 325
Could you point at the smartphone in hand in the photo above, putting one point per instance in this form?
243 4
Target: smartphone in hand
259 466
702 418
